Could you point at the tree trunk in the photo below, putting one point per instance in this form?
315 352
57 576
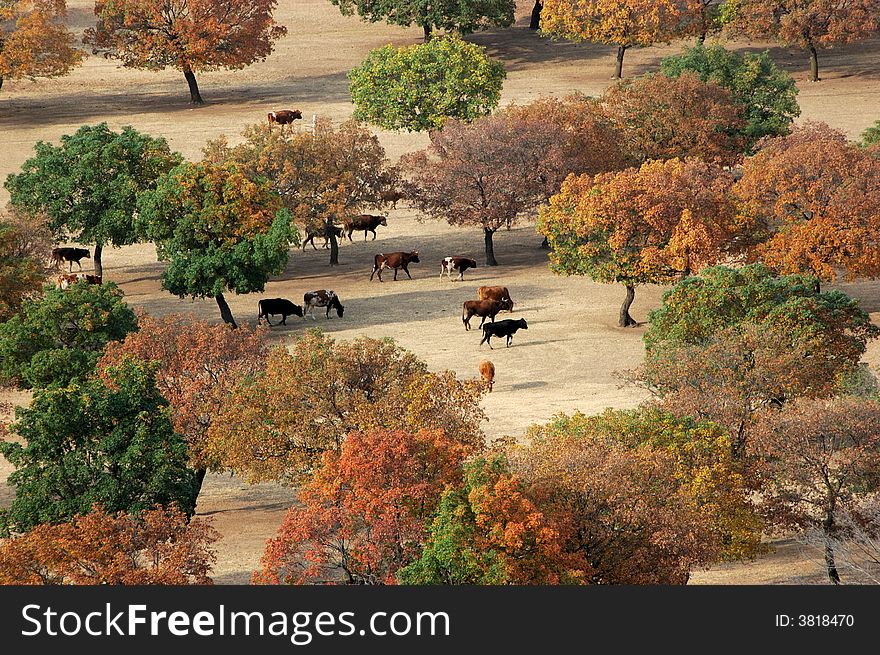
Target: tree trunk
99 268
535 22
334 244
545 244
814 63
618 71
195 97
490 247
200 479
701 40
625 319
427 29
830 564
818 285
225 312
1 81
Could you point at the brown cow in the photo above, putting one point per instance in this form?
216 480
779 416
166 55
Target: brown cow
319 232
487 373
284 117
500 294
390 197
395 260
460 264
484 308
66 279
365 222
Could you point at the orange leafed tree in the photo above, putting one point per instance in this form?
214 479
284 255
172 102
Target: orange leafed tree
624 23
816 198
641 226
365 513
158 547
34 42
200 364
190 35
810 24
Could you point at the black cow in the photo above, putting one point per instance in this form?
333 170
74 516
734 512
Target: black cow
322 298
365 222
61 255
395 260
274 306
319 232
506 328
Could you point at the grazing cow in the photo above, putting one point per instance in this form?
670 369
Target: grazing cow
395 260
274 306
61 255
482 308
322 298
487 373
319 232
496 293
390 197
506 328
66 279
365 222
460 264
284 117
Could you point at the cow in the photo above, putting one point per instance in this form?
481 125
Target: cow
395 260
460 264
484 308
61 255
487 373
319 232
284 117
91 279
67 279
322 298
390 197
506 328
365 222
495 293
275 306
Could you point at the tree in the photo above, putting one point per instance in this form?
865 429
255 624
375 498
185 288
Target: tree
24 249
488 532
218 230
810 24
159 547
766 93
190 35
364 513
702 17
277 425
420 87
871 135
87 443
640 226
824 455
59 337
620 508
816 200
487 173
462 16
624 23
322 175
199 364
88 186
666 117
33 41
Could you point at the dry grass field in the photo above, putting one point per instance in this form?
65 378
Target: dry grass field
570 355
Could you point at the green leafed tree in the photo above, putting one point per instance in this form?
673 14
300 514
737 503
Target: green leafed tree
871 136
462 16
88 185
59 337
419 87
767 94
91 443
218 229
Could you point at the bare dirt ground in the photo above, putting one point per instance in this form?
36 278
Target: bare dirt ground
570 355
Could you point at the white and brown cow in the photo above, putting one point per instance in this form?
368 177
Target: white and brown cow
322 298
460 264
284 117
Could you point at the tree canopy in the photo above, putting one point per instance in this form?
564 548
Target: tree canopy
420 87
89 184
190 35
24 249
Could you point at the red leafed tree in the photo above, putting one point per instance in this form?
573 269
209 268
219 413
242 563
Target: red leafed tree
200 365
810 24
366 511
816 198
159 547
190 35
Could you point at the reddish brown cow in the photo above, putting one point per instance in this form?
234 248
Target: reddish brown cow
487 373
483 308
390 197
500 294
365 222
284 116
460 264
395 260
